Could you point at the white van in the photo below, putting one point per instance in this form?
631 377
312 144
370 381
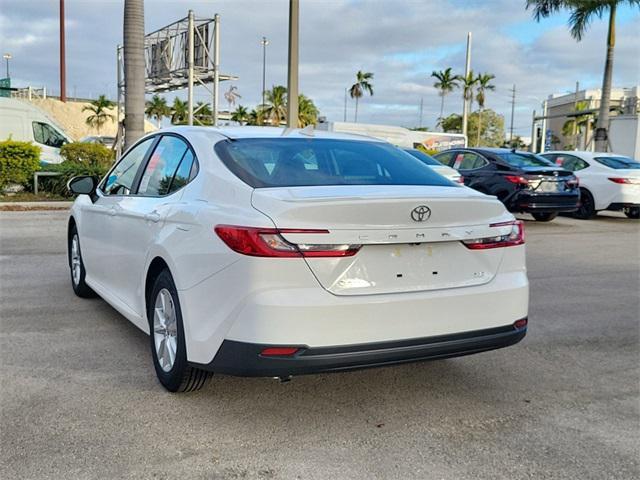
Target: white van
22 121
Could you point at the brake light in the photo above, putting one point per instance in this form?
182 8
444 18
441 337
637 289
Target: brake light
511 239
279 351
573 182
622 181
268 242
517 179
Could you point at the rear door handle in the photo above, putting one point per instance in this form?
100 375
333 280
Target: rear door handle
152 217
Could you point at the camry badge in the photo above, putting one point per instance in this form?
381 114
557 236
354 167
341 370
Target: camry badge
421 213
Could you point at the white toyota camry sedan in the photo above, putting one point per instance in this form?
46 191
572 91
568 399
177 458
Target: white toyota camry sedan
269 252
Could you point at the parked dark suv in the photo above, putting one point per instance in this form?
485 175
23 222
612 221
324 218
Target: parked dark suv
524 182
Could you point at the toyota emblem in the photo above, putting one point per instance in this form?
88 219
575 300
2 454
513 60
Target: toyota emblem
421 213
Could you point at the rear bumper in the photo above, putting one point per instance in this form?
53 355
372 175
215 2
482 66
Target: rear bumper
245 359
541 202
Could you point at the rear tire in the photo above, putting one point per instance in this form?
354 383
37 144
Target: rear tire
587 208
76 266
632 212
544 217
168 347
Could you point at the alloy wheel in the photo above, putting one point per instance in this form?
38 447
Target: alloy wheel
165 330
76 262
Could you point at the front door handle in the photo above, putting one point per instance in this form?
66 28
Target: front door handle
152 217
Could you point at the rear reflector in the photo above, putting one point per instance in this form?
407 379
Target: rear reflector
628 181
520 323
279 351
268 242
511 239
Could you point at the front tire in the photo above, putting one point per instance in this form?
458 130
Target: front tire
587 208
632 212
544 217
168 347
76 266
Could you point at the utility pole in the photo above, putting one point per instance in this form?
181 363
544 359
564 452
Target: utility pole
216 71
465 104
513 106
63 68
7 57
292 79
543 134
421 108
533 132
264 43
190 55
345 104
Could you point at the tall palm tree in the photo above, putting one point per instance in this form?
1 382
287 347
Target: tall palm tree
582 12
157 108
275 108
483 81
468 83
307 111
574 126
134 70
99 115
446 83
363 85
240 115
179 112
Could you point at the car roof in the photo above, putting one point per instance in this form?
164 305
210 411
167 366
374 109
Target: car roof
267 132
585 155
494 150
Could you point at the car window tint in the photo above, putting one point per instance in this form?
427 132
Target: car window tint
471 161
569 162
423 157
183 173
445 158
279 162
120 179
161 167
519 159
45 134
619 163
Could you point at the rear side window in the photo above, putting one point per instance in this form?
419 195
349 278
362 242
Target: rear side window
284 162
423 157
470 161
446 158
120 179
619 163
161 169
568 162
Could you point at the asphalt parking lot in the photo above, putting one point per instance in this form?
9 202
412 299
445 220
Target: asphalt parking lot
79 398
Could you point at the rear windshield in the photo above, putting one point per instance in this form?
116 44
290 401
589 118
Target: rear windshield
290 162
423 157
619 163
525 160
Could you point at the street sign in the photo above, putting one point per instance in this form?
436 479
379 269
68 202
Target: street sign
5 87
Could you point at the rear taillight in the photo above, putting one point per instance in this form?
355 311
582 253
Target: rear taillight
268 242
573 182
517 179
625 181
511 239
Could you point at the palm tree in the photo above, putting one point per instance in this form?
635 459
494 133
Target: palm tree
203 114
255 117
363 85
575 125
275 108
240 115
468 83
157 108
582 12
483 80
179 112
446 83
134 70
99 114
307 111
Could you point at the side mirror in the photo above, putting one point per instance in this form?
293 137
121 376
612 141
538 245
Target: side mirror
83 185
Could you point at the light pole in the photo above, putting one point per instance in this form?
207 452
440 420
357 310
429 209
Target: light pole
264 44
292 77
7 57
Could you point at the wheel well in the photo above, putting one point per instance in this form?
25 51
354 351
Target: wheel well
157 265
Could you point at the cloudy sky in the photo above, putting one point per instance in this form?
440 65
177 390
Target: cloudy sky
401 42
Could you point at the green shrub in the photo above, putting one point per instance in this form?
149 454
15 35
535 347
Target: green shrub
93 154
68 170
18 162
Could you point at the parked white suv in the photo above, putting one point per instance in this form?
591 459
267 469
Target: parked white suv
263 252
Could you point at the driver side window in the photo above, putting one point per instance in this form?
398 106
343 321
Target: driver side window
45 134
120 179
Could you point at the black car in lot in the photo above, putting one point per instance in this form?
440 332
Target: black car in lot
524 182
